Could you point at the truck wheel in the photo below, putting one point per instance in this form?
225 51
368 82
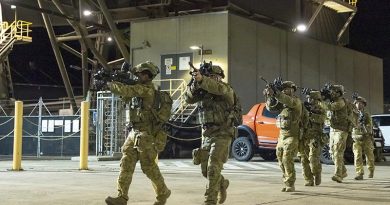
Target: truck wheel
242 149
325 155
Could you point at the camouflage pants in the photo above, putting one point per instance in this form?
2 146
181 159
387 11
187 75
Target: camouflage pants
310 158
367 147
337 144
286 150
147 155
212 165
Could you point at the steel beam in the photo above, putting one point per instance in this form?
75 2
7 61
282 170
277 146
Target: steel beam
314 16
78 37
75 52
60 60
117 35
82 31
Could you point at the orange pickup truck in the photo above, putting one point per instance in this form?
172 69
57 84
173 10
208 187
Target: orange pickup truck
258 134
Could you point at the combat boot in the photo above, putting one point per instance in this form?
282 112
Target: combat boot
222 194
116 200
359 177
337 179
309 183
290 189
344 175
371 174
317 179
162 199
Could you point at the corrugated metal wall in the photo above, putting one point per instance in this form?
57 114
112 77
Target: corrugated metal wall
258 50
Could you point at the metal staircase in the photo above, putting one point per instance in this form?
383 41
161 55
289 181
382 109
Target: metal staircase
181 111
18 32
112 115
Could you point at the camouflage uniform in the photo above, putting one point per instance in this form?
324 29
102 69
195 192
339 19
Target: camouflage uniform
214 99
141 143
289 123
363 141
313 140
339 128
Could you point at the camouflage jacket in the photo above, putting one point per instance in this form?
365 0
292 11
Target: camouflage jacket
362 123
213 104
141 99
339 118
289 118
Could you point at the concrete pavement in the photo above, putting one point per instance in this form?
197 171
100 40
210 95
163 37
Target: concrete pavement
251 183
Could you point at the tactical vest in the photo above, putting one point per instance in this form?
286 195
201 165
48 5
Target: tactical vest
359 129
316 117
214 110
340 119
141 113
289 119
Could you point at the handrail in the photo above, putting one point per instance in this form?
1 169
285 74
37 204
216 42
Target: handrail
18 29
178 95
353 2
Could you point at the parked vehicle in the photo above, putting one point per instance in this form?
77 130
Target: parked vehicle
383 122
259 135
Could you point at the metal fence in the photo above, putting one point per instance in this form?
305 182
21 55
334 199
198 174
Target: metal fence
43 134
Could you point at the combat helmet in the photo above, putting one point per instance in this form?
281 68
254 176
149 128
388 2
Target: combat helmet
146 66
289 84
314 94
215 69
338 89
360 99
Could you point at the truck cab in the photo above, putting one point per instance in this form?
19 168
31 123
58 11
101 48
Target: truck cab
257 135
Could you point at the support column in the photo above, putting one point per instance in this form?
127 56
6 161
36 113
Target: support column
84 134
18 127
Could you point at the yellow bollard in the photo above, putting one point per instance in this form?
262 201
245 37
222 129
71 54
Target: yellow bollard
84 134
18 128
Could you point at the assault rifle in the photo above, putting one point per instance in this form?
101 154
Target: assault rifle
355 96
205 69
362 120
276 85
104 75
325 91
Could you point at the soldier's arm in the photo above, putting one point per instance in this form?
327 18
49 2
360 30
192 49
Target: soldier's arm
369 124
190 97
333 106
217 88
289 101
129 91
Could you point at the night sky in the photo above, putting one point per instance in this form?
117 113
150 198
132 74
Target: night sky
35 63
370 33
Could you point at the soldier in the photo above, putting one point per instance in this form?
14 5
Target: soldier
313 139
363 139
214 98
141 143
339 128
289 123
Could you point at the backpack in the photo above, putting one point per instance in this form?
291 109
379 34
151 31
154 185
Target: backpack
350 114
236 111
162 106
